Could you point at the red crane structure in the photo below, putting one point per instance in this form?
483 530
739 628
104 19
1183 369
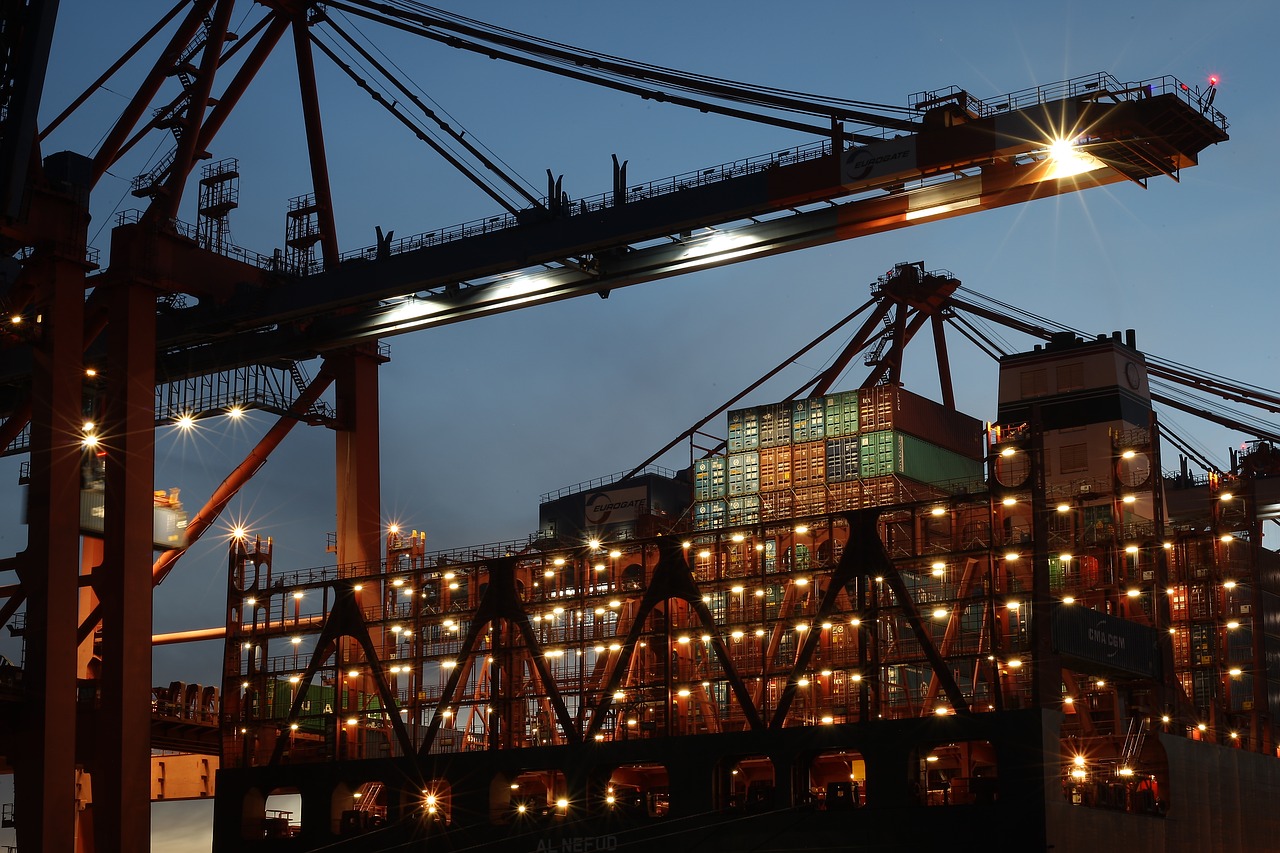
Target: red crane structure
88 611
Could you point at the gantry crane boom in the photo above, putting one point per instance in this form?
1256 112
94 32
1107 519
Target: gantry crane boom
963 159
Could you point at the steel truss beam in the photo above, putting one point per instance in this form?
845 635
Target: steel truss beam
344 620
672 579
501 601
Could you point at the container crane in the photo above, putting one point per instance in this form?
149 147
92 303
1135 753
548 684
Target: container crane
945 155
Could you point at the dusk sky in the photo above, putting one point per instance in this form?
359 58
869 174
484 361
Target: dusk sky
478 419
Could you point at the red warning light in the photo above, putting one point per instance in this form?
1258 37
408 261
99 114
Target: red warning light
1185 87
1213 79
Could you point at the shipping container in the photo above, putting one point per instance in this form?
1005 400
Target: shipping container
807 418
316 707
841 417
710 478
844 496
744 474
888 407
710 515
811 500
744 430
842 459
808 464
744 510
776 505
1097 643
775 468
168 525
774 425
890 452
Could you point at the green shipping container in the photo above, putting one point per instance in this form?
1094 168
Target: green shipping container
889 452
319 702
842 414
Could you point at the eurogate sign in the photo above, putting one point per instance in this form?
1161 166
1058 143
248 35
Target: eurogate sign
615 506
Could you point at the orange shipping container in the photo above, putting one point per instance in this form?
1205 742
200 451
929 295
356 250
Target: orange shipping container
775 468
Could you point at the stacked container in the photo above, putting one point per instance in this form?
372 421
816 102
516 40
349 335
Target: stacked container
874 447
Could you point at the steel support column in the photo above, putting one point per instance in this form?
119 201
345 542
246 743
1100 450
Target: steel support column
26 70
45 761
1046 683
122 756
944 360
315 141
358 486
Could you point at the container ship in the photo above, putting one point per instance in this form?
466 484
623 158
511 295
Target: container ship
863 621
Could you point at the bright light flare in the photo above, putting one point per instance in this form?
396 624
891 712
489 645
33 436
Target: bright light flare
1067 160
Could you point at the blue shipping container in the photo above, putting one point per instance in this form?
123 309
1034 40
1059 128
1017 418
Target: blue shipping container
774 424
744 474
709 515
842 459
744 430
709 478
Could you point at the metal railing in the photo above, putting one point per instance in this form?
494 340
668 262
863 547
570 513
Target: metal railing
1100 86
601 482
603 201
186 229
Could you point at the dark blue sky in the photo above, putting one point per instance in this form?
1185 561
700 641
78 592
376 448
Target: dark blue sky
479 419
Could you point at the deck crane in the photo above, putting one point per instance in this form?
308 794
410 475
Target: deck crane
908 297
946 154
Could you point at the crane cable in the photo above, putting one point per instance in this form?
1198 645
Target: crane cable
656 71
453 121
438 145
602 69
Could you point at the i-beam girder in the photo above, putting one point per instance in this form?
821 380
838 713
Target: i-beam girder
266 331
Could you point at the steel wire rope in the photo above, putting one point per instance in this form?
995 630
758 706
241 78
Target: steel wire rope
1193 448
1014 310
443 111
1214 384
1191 396
984 327
369 76
1241 421
820 103
1228 382
548 59
966 328
1187 447
106 220
579 72
480 180
455 159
